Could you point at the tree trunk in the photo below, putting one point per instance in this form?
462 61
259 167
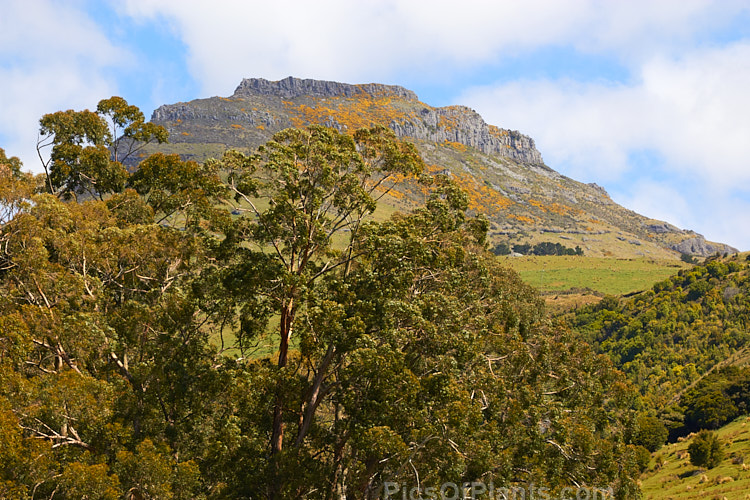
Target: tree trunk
277 433
314 397
285 331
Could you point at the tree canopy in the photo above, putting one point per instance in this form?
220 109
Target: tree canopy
245 328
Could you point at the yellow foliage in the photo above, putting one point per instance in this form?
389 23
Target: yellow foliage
497 132
522 218
555 208
456 145
482 198
237 125
363 111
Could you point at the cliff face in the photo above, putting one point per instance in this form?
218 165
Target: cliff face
291 87
500 169
402 110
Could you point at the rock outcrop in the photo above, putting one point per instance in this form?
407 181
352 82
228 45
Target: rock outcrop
697 245
457 124
291 87
465 126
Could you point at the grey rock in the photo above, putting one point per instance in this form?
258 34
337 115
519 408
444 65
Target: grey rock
697 245
452 123
291 87
662 228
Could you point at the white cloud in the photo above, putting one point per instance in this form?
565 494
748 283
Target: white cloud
658 201
374 40
716 215
52 56
692 113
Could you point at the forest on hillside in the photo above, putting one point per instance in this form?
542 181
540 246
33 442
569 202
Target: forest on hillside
684 343
244 328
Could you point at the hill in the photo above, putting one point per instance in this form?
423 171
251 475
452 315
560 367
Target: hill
525 200
670 474
668 338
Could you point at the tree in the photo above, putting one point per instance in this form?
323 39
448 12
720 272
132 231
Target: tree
9 167
706 450
303 190
179 191
87 154
132 329
651 433
16 187
98 335
502 248
708 408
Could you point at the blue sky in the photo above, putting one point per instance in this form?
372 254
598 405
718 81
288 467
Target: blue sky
650 99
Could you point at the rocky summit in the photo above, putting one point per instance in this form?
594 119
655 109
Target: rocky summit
525 200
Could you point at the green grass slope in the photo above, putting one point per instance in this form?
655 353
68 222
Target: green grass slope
565 274
677 479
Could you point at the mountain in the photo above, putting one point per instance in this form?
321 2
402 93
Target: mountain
525 200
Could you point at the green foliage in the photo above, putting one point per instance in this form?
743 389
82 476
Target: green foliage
177 189
89 481
88 148
667 338
543 248
706 450
642 457
501 248
650 433
9 167
688 259
404 349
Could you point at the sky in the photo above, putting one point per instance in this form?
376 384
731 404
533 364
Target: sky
648 98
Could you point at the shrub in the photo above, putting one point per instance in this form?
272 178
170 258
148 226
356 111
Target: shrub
651 433
706 450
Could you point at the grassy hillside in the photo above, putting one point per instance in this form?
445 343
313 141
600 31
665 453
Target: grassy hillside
560 274
677 479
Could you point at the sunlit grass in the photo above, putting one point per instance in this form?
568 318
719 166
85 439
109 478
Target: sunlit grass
554 274
679 480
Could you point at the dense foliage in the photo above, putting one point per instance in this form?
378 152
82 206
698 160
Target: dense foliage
135 324
668 338
543 248
706 450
